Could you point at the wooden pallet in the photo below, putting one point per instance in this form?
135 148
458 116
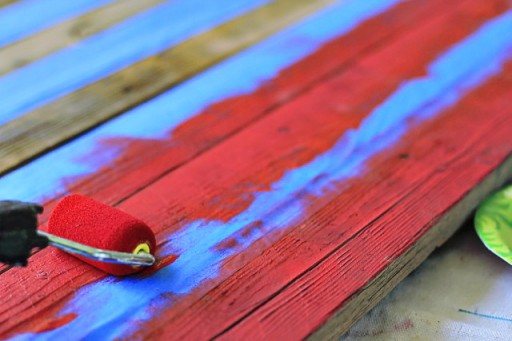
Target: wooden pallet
300 157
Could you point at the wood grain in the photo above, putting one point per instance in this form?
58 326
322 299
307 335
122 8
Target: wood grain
7 2
151 160
144 162
23 18
437 164
212 187
69 32
43 129
396 241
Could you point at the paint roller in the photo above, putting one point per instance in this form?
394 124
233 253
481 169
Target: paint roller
98 234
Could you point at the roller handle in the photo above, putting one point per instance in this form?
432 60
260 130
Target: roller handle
18 232
108 256
19 235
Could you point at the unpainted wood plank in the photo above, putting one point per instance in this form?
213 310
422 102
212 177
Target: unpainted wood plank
7 2
43 129
34 47
196 191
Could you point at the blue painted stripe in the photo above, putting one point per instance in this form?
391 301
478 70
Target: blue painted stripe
26 17
235 76
109 51
107 307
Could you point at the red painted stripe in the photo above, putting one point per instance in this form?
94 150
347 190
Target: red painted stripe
286 139
447 159
144 161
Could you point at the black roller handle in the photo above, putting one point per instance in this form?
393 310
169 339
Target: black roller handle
18 232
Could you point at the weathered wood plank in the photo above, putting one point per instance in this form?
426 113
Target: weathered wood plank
36 46
66 164
253 173
43 129
348 281
37 15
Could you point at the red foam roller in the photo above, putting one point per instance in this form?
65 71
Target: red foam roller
92 223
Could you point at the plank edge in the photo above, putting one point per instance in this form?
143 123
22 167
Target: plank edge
373 292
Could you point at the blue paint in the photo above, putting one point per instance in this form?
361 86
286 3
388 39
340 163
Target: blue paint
107 307
241 74
109 51
27 17
492 317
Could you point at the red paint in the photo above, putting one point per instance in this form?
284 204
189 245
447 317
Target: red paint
448 158
95 224
404 325
160 263
287 138
55 323
144 161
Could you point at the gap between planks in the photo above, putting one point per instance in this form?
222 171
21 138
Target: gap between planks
43 129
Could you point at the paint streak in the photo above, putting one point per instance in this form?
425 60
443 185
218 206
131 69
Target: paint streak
128 42
27 17
226 80
492 317
448 78
403 325
55 323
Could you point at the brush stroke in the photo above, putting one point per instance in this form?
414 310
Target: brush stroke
107 307
24 18
169 110
107 52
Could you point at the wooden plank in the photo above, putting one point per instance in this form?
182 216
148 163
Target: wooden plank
38 15
59 121
261 178
67 33
423 217
7 2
